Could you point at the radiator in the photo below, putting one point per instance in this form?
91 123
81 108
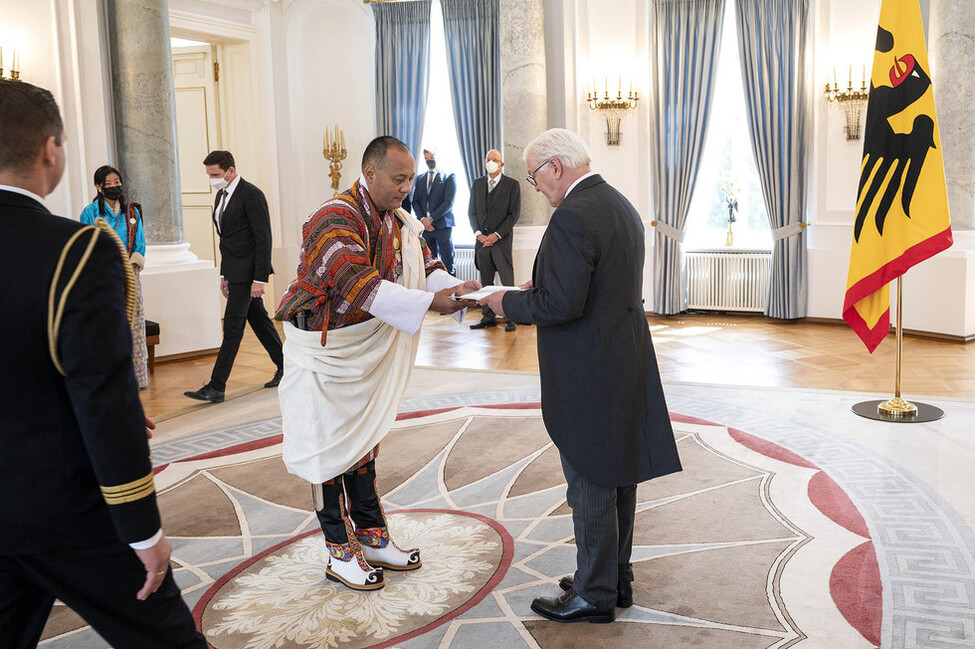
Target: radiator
464 264
728 281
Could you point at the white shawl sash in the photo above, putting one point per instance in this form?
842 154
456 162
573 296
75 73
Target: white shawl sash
340 400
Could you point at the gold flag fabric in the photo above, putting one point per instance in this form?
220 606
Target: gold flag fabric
902 203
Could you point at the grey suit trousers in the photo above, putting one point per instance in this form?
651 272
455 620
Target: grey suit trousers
491 260
602 518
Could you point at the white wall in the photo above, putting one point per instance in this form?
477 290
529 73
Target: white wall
59 44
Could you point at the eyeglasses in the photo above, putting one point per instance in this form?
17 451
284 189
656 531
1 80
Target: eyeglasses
531 177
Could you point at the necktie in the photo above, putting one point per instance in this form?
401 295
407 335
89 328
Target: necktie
491 182
429 181
220 208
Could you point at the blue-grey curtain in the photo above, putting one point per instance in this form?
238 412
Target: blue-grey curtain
472 30
772 39
402 69
685 38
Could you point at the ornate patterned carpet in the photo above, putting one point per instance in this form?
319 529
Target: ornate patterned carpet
776 534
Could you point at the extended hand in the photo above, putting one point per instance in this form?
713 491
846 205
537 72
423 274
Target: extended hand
257 289
150 426
224 287
527 285
443 303
469 286
156 562
493 301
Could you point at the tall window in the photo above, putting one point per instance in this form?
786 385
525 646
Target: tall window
728 166
440 129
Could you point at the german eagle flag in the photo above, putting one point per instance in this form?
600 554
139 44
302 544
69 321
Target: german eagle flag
902 204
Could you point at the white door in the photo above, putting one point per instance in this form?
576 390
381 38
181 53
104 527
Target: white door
196 132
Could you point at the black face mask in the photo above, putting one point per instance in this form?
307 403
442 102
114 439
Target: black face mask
431 164
112 193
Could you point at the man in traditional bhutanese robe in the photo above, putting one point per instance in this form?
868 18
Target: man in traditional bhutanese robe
365 281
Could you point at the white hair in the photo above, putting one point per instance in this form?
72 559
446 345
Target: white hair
561 144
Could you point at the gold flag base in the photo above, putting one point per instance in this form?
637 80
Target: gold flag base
922 412
897 407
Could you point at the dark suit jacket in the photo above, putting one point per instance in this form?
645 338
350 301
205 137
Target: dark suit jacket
245 235
602 400
63 437
439 201
495 212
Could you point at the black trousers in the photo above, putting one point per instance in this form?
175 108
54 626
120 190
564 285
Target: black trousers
491 260
441 245
242 309
602 519
351 495
100 585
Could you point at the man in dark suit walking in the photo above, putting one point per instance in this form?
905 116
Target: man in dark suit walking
242 220
433 204
77 498
493 211
602 399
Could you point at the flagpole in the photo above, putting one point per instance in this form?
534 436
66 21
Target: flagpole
897 407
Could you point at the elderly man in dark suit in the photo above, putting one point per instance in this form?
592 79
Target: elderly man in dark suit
77 498
242 220
602 399
433 205
493 211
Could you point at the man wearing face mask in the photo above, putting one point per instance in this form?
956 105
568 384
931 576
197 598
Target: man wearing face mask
243 222
493 211
433 204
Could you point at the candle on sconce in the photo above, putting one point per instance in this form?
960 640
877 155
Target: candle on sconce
864 75
342 138
835 85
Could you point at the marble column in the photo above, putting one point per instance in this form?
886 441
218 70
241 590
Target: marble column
145 113
951 47
525 101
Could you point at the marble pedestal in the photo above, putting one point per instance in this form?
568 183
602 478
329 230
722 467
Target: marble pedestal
182 294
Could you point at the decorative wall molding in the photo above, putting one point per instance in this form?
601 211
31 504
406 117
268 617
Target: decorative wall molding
242 5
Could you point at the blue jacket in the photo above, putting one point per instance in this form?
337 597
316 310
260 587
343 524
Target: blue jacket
439 202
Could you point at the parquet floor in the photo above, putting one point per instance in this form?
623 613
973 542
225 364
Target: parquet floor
706 348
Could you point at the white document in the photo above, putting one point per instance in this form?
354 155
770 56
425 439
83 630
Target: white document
484 292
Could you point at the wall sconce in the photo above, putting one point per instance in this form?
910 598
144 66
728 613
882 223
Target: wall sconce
851 100
334 151
14 65
612 108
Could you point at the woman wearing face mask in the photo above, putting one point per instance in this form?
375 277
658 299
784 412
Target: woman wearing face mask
126 219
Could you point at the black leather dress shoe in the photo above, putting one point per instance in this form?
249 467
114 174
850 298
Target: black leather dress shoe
624 591
206 393
509 326
275 380
569 607
484 323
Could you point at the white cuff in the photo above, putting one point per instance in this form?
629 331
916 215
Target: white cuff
148 543
137 259
441 279
400 307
